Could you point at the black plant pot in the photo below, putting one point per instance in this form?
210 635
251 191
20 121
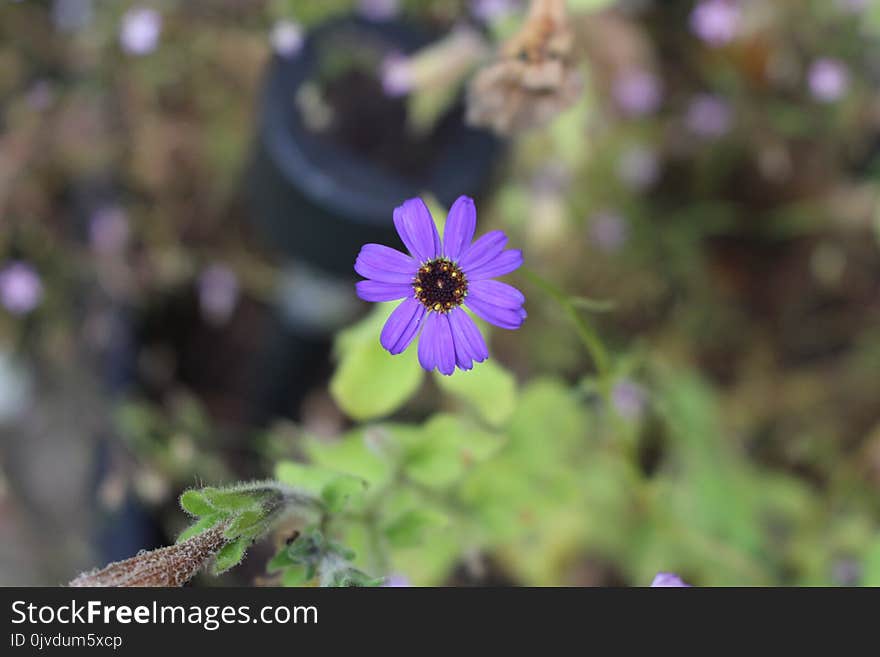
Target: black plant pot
317 201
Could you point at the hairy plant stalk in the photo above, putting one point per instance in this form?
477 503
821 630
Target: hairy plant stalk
174 565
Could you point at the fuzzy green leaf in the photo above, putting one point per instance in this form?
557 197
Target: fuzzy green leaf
194 503
203 523
230 555
409 528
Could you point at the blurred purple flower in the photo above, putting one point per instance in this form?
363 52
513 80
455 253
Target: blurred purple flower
396 74
637 93
490 11
609 231
437 280
218 293
378 10
287 38
709 116
663 580
20 288
716 21
628 399
109 230
638 167
828 79
140 30
397 581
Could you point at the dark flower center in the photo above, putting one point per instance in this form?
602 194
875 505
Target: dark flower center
440 285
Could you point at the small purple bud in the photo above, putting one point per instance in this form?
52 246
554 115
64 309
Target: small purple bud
709 116
397 581
716 21
638 168
378 10
490 11
20 288
109 230
397 77
637 93
663 580
609 231
628 399
828 79
218 293
140 30
287 38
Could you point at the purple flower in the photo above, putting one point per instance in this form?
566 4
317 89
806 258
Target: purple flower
828 79
397 76
108 230
716 21
490 11
378 10
708 116
397 581
638 167
20 288
628 399
609 231
637 93
140 30
287 38
437 280
662 580
218 293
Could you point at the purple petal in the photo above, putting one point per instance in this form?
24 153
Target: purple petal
460 226
507 318
668 580
469 344
378 291
402 326
382 263
497 293
436 348
428 343
486 248
505 263
417 230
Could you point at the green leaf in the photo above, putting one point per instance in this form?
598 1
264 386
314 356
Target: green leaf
338 492
203 523
230 555
409 528
489 388
295 576
369 382
235 500
245 522
445 448
194 503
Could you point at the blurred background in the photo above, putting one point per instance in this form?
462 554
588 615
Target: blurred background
184 187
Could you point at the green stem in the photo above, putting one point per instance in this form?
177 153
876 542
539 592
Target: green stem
586 333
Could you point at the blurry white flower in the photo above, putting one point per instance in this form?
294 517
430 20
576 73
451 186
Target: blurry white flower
287 38
397 75
139 31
